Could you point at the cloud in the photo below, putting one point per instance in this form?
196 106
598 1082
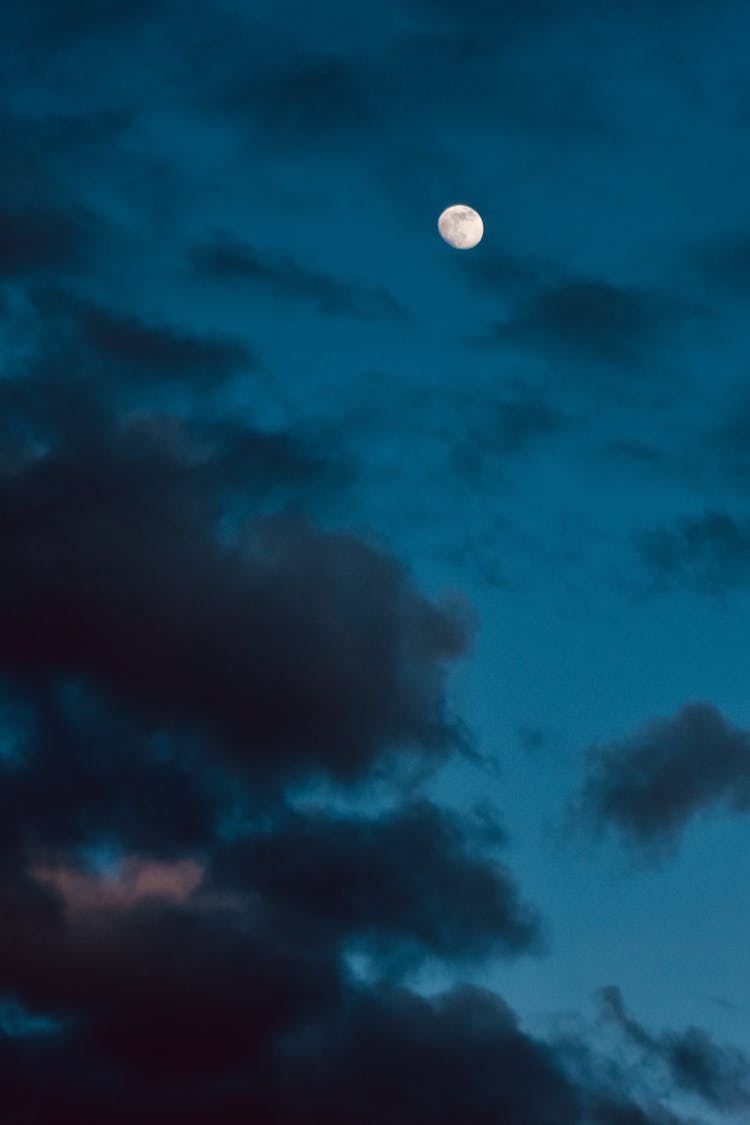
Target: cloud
506 427
214 983
280 89
207 1006
500 272
514 17
397 1055
297 649
651 785
183 645
61 790
228 260
38 239
719 1075
44 22
726 263
163 987
172 666
422 883
580 319
149 350
709 553
315 98
135 881
376 1053
337 95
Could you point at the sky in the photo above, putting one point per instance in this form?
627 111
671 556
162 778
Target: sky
374 728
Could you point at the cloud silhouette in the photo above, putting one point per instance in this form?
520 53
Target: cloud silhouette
709 553
32 240
231 261
651 785
581 319
719 1075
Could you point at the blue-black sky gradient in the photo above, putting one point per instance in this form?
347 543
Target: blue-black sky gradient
374 727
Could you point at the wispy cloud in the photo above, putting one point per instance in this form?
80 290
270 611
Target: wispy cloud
651 785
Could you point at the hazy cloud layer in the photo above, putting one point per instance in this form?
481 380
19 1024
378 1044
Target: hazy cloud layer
725 263
160 351
584 320
709 553
33 240
233 262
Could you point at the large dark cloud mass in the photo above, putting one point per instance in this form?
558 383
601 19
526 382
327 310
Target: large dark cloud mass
115 570
175 657
175 934
650 786
402 876
162 672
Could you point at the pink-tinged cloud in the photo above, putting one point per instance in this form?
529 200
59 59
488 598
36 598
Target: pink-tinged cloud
136 880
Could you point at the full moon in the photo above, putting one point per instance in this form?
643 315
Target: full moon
461 226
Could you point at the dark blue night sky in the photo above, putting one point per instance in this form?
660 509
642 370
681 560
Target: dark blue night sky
374 615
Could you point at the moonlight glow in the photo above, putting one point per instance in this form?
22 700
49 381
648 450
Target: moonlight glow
461 226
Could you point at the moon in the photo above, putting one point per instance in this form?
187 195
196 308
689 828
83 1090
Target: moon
461 226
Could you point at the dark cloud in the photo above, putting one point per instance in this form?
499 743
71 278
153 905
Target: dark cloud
726 263
709 553
404 876
44 22
636 452
516 17
175 935
532 739
396 1055
316 98
289 95
151 350
249 1030
489 79
610 1110
729 441
298 649
212 983
144 559
582 320
277 89
507 427
501 273
507 16
60 789
160 665
36 239
184 646
719 1075
160 982
231 261
651 785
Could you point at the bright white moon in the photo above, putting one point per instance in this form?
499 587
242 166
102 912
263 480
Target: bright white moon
461 226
